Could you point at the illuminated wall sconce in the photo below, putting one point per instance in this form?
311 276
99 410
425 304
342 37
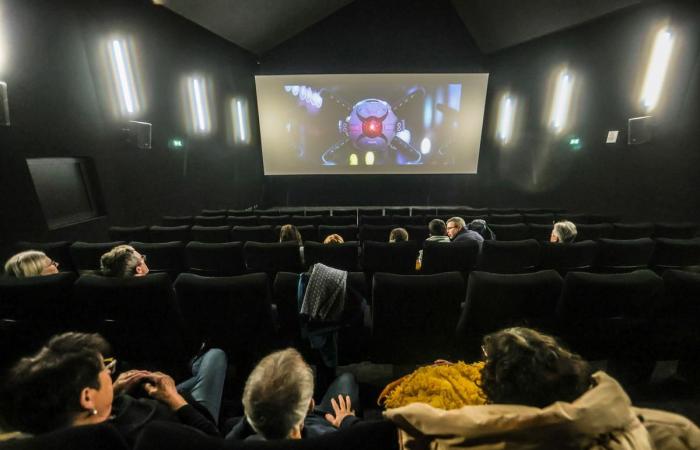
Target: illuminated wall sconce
240 120
657 68
561 102
123 77
198 100
506 118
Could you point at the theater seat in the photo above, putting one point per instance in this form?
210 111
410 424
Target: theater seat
214 212
675 253
86 255
376 220
164 257
139 233
679 230
406 220
511 232
314 220
176 221
418 233
395 257
633 230
449 256
345 212
103 436
261 233
505 219
347 232
307 232
242 221
567 257
231 313
139 316
215 259
540 232
170 234
377 233
210 221
420 211
509 257
339 220
340 256
414 316
274 220
272 257
626 255
211 234
397 211
541 218
592 232
496 301
58 251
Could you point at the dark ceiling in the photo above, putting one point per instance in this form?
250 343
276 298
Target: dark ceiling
260 25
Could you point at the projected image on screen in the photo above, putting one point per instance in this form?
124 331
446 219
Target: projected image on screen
316 124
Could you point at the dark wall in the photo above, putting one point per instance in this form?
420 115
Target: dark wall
60 107
656 180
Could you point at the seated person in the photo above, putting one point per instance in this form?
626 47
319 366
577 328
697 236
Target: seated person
480 226
69 383
289 233
334 239
438 231
563 232
544 396
31 263
398 235
457 231
123 261
278 401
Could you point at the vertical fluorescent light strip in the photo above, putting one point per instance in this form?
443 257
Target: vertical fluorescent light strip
241 127
562 100
199 105
506 116
124 77
656 68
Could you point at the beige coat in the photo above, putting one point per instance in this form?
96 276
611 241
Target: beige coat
601 419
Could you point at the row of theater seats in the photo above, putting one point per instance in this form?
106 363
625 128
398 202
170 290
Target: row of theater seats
414 319
382 211
233 258
367 232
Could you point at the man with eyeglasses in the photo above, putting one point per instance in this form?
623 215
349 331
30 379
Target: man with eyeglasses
457 231
123 261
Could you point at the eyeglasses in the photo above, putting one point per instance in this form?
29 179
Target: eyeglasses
483 352
110 365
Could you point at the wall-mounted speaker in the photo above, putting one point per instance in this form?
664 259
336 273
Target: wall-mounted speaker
4 105
639 130
139 134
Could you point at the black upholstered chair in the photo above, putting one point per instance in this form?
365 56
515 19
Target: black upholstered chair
376 220
176 221
418 233
377 233
307 232
272 257
215 259
139 233
458 212
461 256
370 212
404 221
293 211
421 211
170 234
625 255
505 219
576 218
32 310
267 212
567 257
214 212
314 220
231 313
345 212
240 212
540 232
397 211
414 316
395 257
103 436
592 232
242 221
679 230
496 301
339 220
260 233
318 212
347 232
274 220
59 251
210 221
509 256
511 232
675 253
163 257
340 256
86 255
632 230
211 234
541 218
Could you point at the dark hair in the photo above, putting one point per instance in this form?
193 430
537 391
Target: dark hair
526 367
480 226
289 233
437 227
42 392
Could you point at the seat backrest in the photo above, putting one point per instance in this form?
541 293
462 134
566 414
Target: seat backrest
676 253
307 232
540 232
403 221
461 256
272 257
370 212
176 221
347 232
138 316
58 251
240 212
395 257
576 218
678 230
682 295
211 234
565 257
139 233
340 256
418 233
314 220
86 255
274 220
377 233
345 212
539 218
293 211
496 301
509 256
511 232
339 220
231 313
215 259
615 255
632 230
377 220
414 316
589 232
242 221
397 211
214 212
420 211
170 234
210 221
505 219
167 257
103 436
261 233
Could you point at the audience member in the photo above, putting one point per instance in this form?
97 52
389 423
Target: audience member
457 231
480 226
68 383
438 231
563 232
398 235
278 401
289 233
123 261
31 263
333 239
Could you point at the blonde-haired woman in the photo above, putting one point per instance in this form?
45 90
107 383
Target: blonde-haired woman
30 263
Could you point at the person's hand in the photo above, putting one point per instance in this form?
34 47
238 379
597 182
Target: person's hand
127 380
342 408
162 387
